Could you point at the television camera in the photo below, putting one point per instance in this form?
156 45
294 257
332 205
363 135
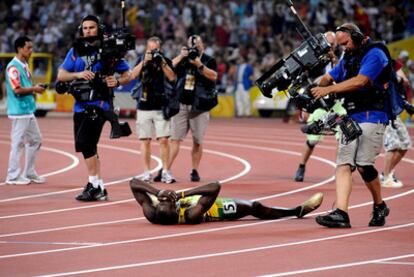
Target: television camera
108 49
297 73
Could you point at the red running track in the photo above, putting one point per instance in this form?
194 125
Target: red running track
45 231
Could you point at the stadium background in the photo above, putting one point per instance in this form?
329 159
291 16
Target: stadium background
262 31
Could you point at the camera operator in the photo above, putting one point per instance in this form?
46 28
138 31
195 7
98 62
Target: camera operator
153 71
195 71
88 119
359 76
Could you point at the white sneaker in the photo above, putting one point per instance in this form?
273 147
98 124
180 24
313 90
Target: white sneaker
146 177
36 179
166 177
18 181
400 184
389 182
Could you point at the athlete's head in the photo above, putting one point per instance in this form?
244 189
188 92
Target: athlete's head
166 212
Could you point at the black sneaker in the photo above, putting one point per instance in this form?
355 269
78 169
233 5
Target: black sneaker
90 193
300 174
158 177
378 215
194 176
336 219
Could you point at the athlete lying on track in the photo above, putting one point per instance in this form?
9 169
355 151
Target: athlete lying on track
201 204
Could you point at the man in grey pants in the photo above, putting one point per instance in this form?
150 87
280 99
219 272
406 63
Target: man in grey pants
21 105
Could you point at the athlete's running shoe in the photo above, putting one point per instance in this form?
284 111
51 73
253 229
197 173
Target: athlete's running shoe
310 205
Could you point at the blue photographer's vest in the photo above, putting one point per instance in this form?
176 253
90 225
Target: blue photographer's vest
372 99
19 104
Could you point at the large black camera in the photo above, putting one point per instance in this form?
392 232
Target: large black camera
107 47
157 56
193 53
297 74
302 65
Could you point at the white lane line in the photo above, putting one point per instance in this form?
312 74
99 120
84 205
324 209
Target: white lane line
48 243
186 233
158 160
244 171
397 263
75 161
317 269
71 227
141 218
241 251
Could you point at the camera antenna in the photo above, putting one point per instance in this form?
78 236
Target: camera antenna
307 34
123 13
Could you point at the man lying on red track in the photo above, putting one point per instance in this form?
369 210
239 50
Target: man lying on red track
201 204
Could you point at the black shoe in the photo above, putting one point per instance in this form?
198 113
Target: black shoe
194 176
300 174
158 177
378 215
90 193
336 219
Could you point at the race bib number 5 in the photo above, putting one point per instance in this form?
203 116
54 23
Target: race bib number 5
229 207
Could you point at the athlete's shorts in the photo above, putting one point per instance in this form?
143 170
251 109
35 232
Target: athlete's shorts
187 120
363 150
223 208
397 138
149 121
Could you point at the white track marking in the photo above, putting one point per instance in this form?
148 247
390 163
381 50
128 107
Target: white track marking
158 160
317 269
48 243
123 180
75 161
186 233
241 251
396 263
70 227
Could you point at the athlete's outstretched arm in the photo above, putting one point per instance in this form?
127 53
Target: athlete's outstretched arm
208 194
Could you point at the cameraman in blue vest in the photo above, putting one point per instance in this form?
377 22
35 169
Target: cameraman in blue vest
87 118
359 78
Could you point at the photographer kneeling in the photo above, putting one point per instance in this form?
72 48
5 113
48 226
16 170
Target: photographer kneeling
88 118
154 73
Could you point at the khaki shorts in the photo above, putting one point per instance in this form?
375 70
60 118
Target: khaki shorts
187 120
148 121
397 138
363 150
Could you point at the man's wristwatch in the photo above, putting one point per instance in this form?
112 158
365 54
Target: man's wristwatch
201 67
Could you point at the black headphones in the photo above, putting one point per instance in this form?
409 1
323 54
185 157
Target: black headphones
356 35
101 27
